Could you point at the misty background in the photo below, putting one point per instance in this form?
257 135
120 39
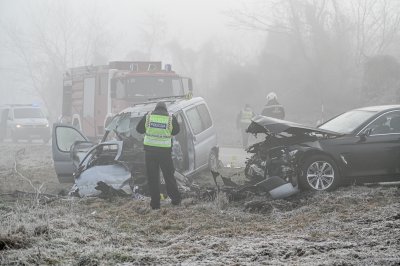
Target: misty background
321 57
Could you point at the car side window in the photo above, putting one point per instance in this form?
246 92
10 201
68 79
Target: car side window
181 123
194 120
394 122
199 118
388 123
66 136
10 117
205 116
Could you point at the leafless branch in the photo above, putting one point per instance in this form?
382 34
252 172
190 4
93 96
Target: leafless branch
38 190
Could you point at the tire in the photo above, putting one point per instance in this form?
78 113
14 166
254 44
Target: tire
319 173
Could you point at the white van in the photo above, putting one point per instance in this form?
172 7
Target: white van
195 147
22 121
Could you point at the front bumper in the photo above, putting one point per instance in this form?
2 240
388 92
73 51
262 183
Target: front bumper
31 132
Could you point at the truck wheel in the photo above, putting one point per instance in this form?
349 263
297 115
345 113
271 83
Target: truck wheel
319 173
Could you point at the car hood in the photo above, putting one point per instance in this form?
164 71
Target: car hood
268 125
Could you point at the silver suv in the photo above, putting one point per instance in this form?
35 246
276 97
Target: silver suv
119 156
22 121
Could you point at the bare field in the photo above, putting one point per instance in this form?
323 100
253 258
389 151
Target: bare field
356 225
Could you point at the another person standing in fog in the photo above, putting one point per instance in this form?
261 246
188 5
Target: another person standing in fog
159 126
243 121
273 108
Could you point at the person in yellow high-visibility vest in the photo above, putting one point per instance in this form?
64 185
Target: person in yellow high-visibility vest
159 126
243 121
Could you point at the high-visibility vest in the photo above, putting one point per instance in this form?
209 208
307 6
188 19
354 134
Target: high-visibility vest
246 117
158 131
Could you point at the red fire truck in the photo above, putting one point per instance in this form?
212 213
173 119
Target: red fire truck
93 94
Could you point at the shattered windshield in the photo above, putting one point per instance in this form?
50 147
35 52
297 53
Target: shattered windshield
346 123
125 124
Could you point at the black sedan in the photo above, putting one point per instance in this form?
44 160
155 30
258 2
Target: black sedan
359 144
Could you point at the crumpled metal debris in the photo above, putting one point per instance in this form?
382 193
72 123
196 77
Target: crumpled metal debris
277 187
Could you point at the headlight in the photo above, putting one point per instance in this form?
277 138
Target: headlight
47 125
18 126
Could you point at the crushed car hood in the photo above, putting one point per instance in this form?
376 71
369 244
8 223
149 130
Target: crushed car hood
268 125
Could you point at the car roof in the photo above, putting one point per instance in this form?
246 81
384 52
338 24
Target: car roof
379 108
173 105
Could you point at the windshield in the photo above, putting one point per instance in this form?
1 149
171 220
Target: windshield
151 87
28 113
346 123
125 125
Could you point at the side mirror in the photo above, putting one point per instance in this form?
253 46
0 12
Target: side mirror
363 136
368 132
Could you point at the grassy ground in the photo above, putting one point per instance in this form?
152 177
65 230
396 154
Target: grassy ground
353 225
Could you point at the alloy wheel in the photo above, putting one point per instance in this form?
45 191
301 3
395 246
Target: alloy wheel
320 175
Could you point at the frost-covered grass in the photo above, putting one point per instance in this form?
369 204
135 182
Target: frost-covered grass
353 225
356 225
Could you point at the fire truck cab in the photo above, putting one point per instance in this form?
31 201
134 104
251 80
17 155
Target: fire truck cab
92 95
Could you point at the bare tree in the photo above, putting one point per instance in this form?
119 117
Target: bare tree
58 38
329 39
153 33
377 24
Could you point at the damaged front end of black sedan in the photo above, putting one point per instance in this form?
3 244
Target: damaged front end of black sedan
276 162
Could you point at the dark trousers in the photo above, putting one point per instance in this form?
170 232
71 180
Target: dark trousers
154 161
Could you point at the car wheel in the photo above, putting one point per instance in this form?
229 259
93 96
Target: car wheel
319 172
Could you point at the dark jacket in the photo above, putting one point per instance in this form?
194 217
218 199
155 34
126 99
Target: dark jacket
140 128
273 109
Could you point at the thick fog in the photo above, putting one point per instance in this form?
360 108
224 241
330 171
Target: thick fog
320 57
84 133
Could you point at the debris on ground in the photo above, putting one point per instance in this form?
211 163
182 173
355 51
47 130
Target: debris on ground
355 225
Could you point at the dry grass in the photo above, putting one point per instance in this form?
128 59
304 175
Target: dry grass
353 225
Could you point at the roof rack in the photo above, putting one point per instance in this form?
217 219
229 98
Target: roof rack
164 99
168 97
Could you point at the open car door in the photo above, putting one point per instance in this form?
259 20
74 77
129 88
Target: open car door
69 146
